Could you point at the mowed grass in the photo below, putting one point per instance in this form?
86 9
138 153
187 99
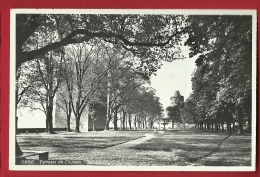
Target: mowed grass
202 148
235 151
69 144
177 148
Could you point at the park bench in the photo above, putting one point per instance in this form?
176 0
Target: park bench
43 155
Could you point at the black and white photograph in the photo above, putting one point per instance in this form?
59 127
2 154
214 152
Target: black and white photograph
132 90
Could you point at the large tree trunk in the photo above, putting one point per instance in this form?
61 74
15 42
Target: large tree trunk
93 123
47 124
249 123
77 124
163 124
233 126
107 124
129 121
49 120
151 125
16 125
126 121
68 124
115 119
135 122
16 102
216 126
145 122
248 115
208 125
108 99
18 151
222 126
240 120
228 119
123 121
108 119
69 116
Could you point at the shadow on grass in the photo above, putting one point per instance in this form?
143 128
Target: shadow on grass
71 144
198 147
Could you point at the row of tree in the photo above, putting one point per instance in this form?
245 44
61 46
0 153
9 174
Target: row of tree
84 77
41 38
71 53
222 82
76 52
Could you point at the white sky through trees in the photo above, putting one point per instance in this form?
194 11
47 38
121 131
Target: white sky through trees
172 76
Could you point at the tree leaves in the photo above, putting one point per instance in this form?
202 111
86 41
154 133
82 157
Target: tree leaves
225 60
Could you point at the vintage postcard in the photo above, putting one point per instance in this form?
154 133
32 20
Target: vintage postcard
132 90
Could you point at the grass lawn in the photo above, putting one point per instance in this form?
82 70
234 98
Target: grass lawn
235 151
178 148
65 145
202 148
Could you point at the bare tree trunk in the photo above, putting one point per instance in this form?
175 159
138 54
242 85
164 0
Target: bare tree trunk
240 120
126 121
46 124
249 121
77 124
18 150
16 125
93 124
163 124
18 74
50 120
222 126
228 116
121 120
145 122
124 114
108 99
108 119
229 127
69 116
216 126
233 126
208 125
68 124
135 122
129 121
115 119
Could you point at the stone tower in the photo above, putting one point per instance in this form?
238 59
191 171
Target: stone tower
176 98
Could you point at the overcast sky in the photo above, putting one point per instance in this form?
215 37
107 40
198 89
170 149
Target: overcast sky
173 76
